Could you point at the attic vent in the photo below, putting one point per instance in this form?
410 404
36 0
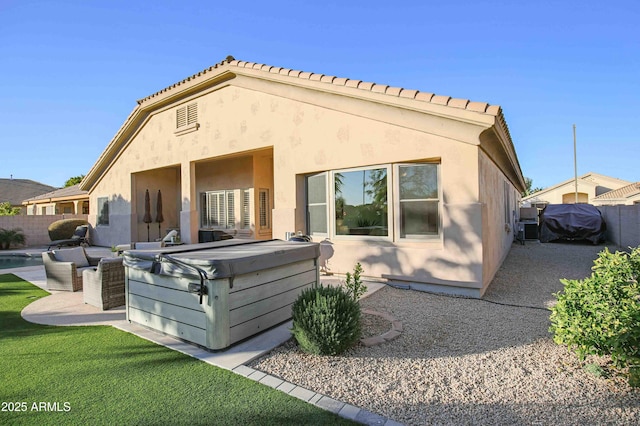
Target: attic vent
187 118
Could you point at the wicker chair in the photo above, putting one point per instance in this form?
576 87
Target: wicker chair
104 287
63 274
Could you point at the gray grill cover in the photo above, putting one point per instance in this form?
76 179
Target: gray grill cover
220 259
572 222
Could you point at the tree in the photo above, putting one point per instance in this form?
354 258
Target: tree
528 187
11 236
73 181
7 210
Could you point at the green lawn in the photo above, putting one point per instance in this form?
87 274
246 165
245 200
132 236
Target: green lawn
100 375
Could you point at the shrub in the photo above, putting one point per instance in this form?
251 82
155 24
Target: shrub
63 229
600 315
326 320
11 236
353 283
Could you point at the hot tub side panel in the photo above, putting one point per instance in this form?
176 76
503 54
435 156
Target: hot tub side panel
233 309
262 299
163 303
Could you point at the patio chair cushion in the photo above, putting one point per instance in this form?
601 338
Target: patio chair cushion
75 255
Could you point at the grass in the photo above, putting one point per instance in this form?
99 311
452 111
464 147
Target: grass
100 375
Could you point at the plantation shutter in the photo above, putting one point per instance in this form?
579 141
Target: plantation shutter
246 209
231 220
181 117
186 115
192 113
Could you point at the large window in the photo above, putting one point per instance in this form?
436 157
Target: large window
418 200
103 211
217 209
372 202
361 202
227 209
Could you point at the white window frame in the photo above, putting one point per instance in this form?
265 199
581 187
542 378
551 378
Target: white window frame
326 204
225 212
332 205
393 205
397 201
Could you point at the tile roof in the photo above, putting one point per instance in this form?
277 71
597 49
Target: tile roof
230 64
16 190
400 92
624 192
68 192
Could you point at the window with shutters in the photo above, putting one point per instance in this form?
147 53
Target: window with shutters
246 209
217 209
186 118
264 220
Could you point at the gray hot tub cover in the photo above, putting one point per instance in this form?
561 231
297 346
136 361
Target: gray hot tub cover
220 259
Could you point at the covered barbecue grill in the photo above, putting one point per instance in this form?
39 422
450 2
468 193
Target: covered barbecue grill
216 294
572 222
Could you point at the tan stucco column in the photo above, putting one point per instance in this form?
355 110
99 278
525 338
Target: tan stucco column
77 207
189 213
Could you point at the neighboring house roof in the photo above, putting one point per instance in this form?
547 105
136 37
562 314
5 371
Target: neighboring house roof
489 117
69 193
623 193
16 190
591 178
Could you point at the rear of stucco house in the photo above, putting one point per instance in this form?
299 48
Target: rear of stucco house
420 189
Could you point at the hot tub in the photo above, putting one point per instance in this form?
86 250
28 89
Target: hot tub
216 294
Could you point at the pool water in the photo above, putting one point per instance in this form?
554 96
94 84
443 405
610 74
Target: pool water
8 261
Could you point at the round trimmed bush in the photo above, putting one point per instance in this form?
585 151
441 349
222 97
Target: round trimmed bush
326 320
63 229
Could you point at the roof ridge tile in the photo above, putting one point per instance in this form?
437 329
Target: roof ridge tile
423 96
440 99
379 88
460 103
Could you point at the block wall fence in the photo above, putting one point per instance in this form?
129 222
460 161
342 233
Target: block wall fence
35 228
623 225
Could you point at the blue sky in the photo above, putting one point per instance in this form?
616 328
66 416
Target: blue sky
71 71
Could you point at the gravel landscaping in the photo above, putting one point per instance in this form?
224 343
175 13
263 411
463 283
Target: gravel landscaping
466 361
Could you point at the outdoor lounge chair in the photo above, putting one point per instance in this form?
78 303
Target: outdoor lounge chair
104 287
79 238
64 267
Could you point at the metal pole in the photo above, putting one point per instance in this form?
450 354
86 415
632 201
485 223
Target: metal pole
575 162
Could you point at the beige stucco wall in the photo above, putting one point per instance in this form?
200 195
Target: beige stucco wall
498 231
305 133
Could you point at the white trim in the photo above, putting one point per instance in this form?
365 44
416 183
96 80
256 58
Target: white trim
332 205
396 203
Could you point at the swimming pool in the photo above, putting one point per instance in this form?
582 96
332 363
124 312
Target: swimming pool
8 261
